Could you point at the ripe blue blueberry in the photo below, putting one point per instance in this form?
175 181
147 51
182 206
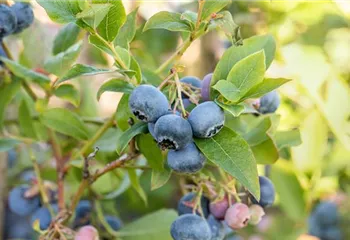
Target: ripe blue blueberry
17 227
190 227
172 132
194 82
207 119
206 87
82 213
44 216
186 160
267 192
332 233
217 228
114 222
21 205
24 14
314 228
151 129
269 103
11 158
185 205
326 213
2 53
147 103
8 21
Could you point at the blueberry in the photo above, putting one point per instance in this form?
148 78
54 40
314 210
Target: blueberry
269 103
151 129
11 158
8 21
194 82
206 87
20 205
27 175
44 216
24 14
207 119
190 227
173 132
184 205
256 214
314 228
237 216
267 192
148 103
217 228
114 222
17 227
186 160
219 207
82 213
332 233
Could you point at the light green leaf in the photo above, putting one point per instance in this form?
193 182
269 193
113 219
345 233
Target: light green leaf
155 225
81 70
232 153
124 55
126 137
115 85
23 72
61 11
7 92
134 65
116 17
228 90
248 72
25 120
148 147
66 37
150 77
127 31
134 179
226 24
160 177
124 114
65 122
211 7
266 152
167 20
63 61
190 17
68 92
7 144
290 138
94 14
266 86
234 110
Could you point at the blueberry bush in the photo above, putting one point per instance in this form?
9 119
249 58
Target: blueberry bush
75 175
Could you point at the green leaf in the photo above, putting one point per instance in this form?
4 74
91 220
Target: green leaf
248 72
155 225
94 14
116 17
126 137
134 65
115 85
68 92
127 31
62 62
123 113
81 70
65 122
160 177
25 120
211 7
124 55
236 53
134 179
100 45
232 153
226 24
66 37
234 110
167 20
265 152
266 86
23 72
61 11
290 138
7 144
228 90
7 93
289 190
151 77
190 17
148 147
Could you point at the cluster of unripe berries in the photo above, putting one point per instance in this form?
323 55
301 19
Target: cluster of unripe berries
324 222
209 220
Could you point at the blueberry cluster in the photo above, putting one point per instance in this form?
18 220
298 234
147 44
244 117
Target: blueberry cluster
323 222
208 221
171 130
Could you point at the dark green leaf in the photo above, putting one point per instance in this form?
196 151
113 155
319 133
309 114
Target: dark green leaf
81 70
228 90
62 62
116 17
211 7
68 92
148 147
134 179
266 86
126 137
290 138
23 72
66 37
167 20
115 85
155 225
127 31
7 93
265 152
25 120
235 110
7 144
94 14
62 11
65 122
160 177
232 153
123 113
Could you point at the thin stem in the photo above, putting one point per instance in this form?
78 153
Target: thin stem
30 92
166 80
179 90
199 15
197 202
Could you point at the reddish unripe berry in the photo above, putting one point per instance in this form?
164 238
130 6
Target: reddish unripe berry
87 233
256 214
219 207
237 216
